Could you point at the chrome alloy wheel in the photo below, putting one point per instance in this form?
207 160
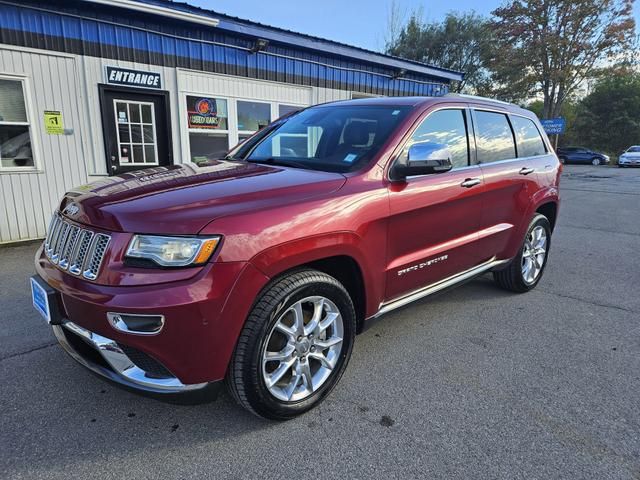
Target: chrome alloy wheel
534 254
302 349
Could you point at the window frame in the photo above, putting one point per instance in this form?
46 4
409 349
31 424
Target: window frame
507 115
32 128
471 146
203 131
143 144
544 144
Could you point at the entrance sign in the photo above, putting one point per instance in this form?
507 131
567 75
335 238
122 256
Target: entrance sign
132 78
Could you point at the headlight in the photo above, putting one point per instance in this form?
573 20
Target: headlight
173 251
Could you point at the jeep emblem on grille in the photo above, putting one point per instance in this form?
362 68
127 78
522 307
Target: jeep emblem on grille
71 209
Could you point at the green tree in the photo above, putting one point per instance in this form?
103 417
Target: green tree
552 46
460 42
608 117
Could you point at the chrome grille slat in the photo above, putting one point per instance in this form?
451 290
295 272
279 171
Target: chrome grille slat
65 253
75 249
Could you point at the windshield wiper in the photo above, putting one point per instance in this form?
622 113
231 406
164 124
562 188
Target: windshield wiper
283 162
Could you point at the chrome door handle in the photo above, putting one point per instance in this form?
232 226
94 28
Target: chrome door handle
526 171
470 182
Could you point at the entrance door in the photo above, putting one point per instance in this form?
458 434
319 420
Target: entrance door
136 128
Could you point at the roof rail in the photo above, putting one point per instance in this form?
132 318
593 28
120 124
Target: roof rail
478 97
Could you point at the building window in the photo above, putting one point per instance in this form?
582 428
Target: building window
252 116
285 109
15 129
137 144
208 125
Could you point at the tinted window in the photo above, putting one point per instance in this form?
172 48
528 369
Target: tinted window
634 150
494 137
528 137
333 138
446 127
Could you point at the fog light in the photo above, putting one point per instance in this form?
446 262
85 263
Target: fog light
136 324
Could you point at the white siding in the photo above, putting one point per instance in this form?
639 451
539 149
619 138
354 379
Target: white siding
70 84
28 198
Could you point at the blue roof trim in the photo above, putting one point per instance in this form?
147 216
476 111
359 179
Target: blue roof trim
149 41
253 29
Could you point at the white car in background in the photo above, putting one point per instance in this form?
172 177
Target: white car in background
630 157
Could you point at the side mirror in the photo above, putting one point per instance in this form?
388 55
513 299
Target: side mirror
423 158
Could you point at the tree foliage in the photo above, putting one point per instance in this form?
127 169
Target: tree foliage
608 117
552 46
460 42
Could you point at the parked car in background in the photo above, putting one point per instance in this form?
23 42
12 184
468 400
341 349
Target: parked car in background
261 267
581 155
630 157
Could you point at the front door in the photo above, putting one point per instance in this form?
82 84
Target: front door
136 129
434 219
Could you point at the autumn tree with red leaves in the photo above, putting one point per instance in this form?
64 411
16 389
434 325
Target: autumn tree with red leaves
551 47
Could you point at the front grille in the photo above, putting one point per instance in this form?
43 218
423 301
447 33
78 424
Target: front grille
151 366
75 249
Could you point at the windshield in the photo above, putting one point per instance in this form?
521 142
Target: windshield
330 138
634 150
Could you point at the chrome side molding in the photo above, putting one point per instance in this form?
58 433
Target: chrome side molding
436 287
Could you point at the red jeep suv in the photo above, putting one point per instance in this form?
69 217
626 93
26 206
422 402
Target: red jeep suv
261 268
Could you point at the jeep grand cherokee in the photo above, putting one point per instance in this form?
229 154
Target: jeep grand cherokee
261 268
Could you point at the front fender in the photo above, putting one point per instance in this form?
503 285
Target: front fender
286 256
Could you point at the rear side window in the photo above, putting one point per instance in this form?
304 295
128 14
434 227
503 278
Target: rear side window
446 127
528 137
494 138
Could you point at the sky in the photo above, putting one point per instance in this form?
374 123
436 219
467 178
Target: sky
362 23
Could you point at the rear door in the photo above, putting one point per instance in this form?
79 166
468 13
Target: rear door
512 157
434 218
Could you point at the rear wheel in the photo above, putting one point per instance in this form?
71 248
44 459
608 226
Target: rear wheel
526 269
595 161
294 347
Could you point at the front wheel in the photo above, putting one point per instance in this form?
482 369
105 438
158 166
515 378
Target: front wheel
595 162
526 269
294 346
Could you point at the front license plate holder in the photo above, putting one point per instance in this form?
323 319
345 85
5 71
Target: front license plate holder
46 300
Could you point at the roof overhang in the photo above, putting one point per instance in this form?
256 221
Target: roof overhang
159 10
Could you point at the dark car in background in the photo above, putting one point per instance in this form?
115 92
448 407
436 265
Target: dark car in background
581 155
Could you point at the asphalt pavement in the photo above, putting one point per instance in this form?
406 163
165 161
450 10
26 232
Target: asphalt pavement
475 383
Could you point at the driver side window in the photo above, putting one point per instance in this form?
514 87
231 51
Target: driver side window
446 127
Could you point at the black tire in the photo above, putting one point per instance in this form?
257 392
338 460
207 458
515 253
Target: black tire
563 160
596 162
511 278
245 377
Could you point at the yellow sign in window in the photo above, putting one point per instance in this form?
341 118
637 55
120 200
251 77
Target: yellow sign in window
53 122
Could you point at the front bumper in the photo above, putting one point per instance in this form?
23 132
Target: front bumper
203 316
133 370
629 162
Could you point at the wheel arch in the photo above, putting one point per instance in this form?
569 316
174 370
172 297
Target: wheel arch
337 255
550 210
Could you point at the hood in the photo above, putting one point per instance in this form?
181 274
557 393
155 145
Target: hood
633 155
183 199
